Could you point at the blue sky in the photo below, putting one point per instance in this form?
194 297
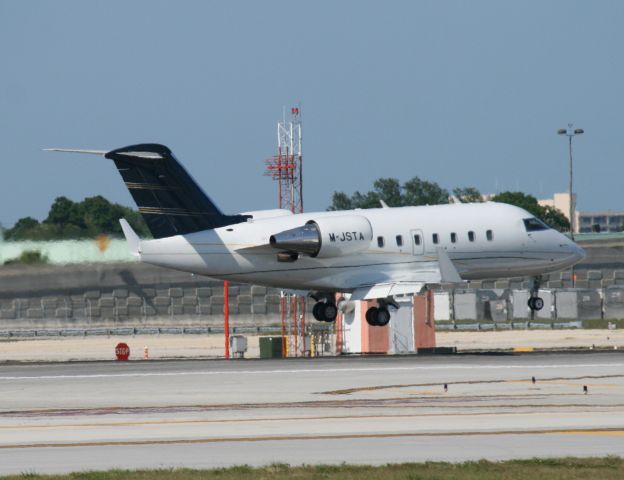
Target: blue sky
461 93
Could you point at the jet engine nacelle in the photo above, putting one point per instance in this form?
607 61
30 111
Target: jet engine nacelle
326 237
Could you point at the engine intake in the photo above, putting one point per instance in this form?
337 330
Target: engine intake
326 237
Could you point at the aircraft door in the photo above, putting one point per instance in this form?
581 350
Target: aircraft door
418 242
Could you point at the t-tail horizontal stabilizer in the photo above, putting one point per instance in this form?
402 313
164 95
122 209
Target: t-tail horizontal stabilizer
168 198
134 243
77 150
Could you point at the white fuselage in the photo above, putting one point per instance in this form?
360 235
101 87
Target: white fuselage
499 246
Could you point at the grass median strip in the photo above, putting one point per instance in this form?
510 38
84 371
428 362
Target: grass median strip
558 468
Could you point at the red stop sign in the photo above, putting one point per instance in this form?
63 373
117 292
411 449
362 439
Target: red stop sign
122 350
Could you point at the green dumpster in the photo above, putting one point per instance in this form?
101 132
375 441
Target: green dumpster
270 347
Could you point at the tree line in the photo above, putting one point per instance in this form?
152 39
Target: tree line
77 220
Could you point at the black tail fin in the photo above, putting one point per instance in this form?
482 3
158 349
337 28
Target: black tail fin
168 198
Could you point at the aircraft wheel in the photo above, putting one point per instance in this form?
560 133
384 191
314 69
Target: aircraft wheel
536 303
330 312
383 317
371 316
317 311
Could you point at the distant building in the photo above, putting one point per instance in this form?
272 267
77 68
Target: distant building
561 201
605 221
585 222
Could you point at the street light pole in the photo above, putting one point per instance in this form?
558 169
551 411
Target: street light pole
571 132
572 202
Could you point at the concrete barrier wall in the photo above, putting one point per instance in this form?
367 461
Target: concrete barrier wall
464 304
121 295
567 305
510 306
96 296
614 303
442 302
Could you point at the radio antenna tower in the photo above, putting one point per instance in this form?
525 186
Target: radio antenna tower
287 166
287 169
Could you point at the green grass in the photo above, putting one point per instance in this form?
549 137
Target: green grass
29 257
553 469
602 323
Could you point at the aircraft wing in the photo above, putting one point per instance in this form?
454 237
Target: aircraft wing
448 272
442 271
256 249
383 290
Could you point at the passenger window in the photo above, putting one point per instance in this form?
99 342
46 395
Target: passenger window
399 240
471 236
380 242
489 235
417 239
453 237
435 238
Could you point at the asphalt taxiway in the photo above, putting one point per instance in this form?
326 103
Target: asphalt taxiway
82 416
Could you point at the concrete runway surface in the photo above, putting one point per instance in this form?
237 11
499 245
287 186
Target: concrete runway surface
372 410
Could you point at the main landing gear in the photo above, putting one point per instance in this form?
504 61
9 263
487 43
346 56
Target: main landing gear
325 312
535 302
380 315
377 316
325 309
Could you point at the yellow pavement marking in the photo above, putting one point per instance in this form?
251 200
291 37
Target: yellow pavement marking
423 392
610 433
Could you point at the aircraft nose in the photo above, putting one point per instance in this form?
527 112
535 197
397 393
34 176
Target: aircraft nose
579 253
572 252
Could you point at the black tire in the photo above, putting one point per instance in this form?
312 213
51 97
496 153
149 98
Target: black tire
330 312
538 303
383 317
530 303
371 316
317 311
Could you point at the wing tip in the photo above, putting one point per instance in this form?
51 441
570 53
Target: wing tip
133 240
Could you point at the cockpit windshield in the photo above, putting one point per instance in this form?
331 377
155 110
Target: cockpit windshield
533 225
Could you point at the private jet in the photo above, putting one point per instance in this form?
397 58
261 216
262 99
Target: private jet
363 254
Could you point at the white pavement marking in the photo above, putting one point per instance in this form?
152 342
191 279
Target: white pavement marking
315 370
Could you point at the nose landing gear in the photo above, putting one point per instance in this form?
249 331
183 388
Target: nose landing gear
535 302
